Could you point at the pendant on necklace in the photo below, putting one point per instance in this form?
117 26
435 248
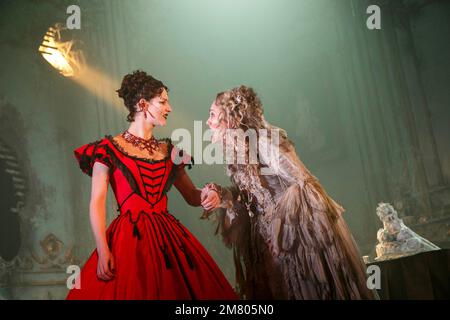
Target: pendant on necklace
249 210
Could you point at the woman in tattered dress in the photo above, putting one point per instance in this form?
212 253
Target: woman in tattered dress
288 236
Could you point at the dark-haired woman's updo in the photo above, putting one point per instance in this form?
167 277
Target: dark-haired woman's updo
138 85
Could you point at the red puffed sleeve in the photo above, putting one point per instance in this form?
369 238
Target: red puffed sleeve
90 153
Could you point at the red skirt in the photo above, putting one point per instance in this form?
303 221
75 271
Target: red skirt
155 257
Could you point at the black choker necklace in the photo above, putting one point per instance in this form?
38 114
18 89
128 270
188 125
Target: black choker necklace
151 144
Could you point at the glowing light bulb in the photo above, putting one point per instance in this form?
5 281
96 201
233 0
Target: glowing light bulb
60 54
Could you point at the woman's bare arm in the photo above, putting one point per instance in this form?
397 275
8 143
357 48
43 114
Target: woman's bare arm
97 215
97 206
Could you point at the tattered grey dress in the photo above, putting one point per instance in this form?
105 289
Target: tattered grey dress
288 237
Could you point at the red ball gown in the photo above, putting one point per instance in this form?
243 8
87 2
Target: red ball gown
155 256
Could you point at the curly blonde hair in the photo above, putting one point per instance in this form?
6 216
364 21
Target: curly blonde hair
241 108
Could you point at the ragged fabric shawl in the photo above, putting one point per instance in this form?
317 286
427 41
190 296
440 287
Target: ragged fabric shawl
294 244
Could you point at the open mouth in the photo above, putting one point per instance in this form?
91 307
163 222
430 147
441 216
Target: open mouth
165 115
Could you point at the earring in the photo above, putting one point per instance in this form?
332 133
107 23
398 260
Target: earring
143 108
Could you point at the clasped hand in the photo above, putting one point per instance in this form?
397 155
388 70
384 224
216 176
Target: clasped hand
210 199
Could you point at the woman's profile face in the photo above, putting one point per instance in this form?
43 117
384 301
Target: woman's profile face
159 109
214 122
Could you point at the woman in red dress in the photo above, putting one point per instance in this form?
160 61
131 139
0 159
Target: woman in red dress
146 253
